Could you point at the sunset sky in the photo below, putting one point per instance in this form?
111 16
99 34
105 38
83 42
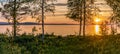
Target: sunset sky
62 10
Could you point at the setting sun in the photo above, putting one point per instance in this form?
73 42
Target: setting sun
97 20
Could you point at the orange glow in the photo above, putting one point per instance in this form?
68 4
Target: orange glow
97 20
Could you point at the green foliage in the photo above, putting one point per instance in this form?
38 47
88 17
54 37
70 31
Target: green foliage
29 44
34 30
115 5
36 8
81 11
115 17
76 9
13 11
103 28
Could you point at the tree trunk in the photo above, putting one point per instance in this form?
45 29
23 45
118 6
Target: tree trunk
43 20
80 20
84 18
80 29
14 19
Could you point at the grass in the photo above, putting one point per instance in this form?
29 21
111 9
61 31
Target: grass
30 44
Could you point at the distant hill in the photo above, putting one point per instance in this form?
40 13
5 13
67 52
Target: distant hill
34 23
4 23
28 23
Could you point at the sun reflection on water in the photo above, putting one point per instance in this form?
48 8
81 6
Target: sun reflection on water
97 29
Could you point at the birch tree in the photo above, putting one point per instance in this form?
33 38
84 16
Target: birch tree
13 10
40 7
80 10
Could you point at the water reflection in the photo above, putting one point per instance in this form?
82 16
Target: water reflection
97 29
58 29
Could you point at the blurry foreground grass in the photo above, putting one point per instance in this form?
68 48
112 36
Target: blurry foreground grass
30 44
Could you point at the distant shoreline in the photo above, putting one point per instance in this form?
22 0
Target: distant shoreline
34 23
41 24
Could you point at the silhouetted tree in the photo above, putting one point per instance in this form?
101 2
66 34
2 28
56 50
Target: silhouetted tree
13 10
39 10
104 28
79 11
115 17
75 11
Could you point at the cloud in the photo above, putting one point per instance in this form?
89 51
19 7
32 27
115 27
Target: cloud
4 0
